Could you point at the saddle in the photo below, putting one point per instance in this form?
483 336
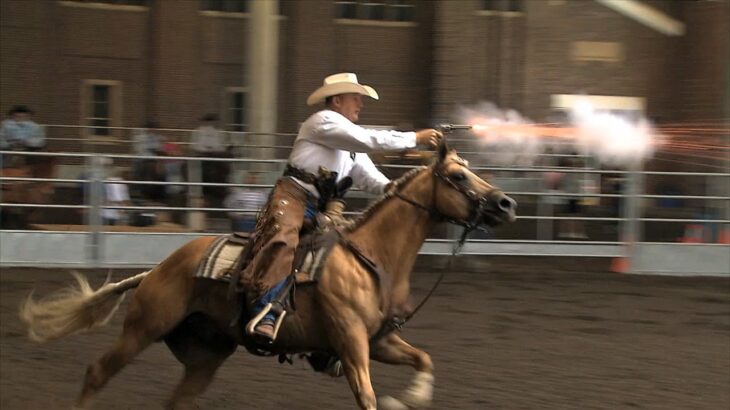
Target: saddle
229 255
226 256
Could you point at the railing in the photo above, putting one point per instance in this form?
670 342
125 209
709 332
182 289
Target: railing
630 224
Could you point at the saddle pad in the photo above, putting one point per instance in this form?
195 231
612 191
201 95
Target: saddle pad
219 258
223 253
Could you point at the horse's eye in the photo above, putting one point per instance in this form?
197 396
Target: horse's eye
458 176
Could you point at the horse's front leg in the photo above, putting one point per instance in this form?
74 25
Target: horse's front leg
352 346
394 350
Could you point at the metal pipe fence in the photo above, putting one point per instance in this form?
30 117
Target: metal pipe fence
634 219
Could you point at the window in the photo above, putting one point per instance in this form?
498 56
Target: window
114 2
502 5
382 10
402 11
236 109
230 6
346 9
515 5
491 5
100 107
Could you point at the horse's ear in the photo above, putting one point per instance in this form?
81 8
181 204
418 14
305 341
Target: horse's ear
443 150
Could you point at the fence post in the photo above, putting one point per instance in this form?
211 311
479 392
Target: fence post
630 232
195 220
95 198
545 208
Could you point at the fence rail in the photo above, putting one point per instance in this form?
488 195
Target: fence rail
692 236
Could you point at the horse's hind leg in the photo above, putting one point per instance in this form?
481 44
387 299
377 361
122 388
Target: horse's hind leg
199 345
150 316
132 341
394 350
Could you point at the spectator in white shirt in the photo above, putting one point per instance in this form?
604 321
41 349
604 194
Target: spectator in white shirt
331 139
115 194
208 141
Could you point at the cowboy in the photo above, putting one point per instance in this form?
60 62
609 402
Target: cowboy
329 139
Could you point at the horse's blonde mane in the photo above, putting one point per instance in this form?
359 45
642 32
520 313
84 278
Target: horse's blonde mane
398 183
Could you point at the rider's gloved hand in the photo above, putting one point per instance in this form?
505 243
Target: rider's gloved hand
429 137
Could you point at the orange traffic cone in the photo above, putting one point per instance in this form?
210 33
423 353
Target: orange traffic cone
620 265
693 233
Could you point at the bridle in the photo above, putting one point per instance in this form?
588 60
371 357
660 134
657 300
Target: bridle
478 204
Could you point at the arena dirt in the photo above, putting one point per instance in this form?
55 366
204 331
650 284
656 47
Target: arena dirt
510 334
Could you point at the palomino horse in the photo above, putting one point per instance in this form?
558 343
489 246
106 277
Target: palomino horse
342 312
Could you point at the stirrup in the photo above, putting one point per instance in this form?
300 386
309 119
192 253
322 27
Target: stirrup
251 326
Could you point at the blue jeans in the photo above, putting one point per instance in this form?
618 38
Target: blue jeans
243 224
267 298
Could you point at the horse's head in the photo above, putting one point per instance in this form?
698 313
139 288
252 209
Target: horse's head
463 197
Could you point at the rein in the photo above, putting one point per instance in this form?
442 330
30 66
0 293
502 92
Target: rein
471 224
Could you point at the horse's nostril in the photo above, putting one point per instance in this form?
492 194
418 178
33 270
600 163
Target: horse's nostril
506 204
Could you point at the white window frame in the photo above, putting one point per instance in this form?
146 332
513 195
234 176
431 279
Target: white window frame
227 117
115 108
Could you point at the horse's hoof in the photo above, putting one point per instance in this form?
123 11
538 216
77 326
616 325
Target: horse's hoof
335 369
391 403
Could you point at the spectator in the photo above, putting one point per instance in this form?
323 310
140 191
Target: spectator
209 141
248 198
148 143
19 132
116 194
571 183
173 167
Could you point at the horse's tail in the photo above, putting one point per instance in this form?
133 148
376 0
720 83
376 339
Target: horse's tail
74 309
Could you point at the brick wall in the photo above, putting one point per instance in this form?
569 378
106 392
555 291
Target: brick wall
310 56
453 56
551 70
703 75
394 60
174 62
24 56
100 45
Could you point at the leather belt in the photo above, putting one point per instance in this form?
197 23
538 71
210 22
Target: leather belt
300 174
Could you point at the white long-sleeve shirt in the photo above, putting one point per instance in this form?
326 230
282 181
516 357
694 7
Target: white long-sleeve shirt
327 138
207 139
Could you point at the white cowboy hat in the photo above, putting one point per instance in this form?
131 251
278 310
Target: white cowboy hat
340 83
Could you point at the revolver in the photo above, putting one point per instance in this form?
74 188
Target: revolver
449 128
